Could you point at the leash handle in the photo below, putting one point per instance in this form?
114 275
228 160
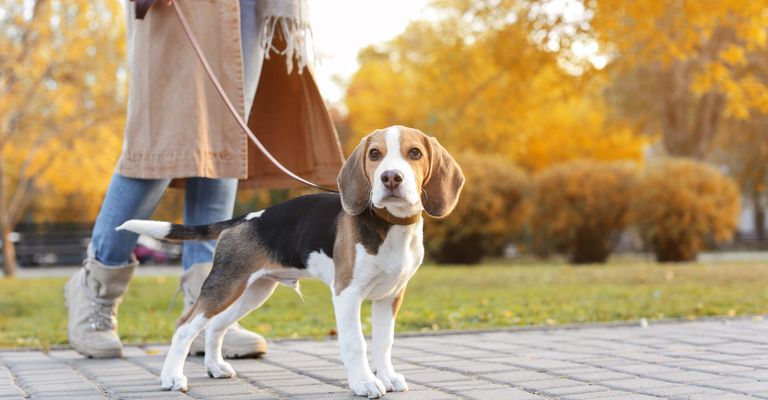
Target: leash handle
243 125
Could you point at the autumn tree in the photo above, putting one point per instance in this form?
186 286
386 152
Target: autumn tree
681 68
61 103
475 78
679 206
746 155
581 207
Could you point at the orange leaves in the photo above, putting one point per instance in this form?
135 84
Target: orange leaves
576 128
733 55
490 212
579 205
679 205
497 93
61 113
718 42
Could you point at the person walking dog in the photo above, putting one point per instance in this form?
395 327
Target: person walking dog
179 133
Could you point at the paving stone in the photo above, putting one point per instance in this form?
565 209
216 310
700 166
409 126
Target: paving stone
514 377
719 361
680 391
501 394
609 394
601 376
579 389
434 376
426 394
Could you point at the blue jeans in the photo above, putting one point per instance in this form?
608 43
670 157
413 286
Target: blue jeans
205 201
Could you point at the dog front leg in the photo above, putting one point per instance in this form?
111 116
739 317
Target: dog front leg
352 345
383 315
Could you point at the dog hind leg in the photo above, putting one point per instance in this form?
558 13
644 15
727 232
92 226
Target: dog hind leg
253 297
172 376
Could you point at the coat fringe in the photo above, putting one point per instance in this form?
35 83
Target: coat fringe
296 33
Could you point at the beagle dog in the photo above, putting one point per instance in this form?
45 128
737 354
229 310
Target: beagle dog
365 243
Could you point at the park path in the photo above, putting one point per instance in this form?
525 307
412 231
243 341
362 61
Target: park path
684 360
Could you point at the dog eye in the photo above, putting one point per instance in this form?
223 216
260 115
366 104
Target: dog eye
414 154
374 155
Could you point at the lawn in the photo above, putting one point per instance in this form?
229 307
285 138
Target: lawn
32 312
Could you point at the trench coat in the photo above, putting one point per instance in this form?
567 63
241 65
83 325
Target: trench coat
177 126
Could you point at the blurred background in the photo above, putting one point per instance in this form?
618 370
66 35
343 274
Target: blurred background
586 128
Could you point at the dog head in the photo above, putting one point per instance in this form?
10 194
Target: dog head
403 170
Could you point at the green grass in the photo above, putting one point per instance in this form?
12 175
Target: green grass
32 312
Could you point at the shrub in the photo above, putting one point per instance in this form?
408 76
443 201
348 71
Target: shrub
579 208
488 215
680 204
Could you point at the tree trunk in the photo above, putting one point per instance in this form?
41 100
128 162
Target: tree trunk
758 215
9 249
9 254
591 247
674 251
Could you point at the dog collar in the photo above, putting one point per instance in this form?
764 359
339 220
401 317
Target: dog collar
384 214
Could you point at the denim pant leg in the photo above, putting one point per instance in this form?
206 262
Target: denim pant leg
127 198
251 27
206 201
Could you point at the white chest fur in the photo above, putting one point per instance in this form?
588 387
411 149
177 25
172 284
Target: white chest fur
385 273
380 275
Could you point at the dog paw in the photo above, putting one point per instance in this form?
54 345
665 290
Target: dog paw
174 382
371 388
393 381
220 370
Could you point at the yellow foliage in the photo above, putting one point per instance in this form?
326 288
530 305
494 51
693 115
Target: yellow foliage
488 90
61 105
713 39
680 204
576 129
579 206
489 213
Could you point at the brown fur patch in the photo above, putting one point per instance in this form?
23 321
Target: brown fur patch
397 302
233 265
187 315
366 229
415 139
376 140
344 253
441 190
354 179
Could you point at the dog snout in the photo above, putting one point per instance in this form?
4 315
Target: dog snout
392 178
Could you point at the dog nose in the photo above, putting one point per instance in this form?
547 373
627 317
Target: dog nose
391 178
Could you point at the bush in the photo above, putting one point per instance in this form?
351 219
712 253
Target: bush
488 215
580 207
680 204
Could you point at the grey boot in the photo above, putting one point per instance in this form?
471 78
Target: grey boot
238 341
92 296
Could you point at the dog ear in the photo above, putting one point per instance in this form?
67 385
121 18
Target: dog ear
353 183
443 185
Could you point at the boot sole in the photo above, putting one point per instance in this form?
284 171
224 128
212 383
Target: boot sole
114 353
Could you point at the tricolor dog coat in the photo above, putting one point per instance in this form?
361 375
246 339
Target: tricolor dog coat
365 243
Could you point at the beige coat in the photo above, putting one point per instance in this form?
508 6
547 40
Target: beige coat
177 125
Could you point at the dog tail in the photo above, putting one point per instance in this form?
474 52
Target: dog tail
171 231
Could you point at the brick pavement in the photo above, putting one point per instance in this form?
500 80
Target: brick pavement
694 360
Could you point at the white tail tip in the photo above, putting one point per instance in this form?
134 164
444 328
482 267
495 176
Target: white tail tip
156 229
